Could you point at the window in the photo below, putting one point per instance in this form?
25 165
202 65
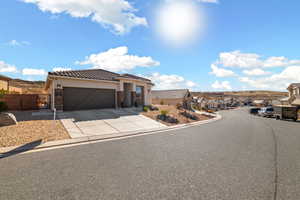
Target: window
139 91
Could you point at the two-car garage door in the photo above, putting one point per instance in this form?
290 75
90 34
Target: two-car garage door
88 98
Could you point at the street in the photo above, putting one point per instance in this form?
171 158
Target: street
239 157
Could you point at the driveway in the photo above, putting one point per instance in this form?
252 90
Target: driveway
106 122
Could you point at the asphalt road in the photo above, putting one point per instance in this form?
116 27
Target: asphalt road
239 157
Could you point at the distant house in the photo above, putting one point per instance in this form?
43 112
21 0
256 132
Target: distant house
259 102
294 94
4 83
284 101
172 97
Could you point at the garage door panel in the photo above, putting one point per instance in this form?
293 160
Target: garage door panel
88 98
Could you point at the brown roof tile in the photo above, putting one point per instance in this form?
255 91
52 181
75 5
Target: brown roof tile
95 74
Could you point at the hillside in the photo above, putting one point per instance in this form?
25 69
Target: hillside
255 94
29 87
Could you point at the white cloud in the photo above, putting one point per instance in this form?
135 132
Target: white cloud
18 43
171 81
116 15
256 72
34 72
278 81
4 67
224 85
118 59
219 72
56 69
208 1
252 60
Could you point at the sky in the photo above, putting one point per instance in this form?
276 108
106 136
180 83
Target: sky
203 45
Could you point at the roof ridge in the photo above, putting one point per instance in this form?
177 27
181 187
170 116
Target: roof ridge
81 70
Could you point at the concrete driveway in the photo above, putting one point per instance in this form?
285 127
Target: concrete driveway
106 122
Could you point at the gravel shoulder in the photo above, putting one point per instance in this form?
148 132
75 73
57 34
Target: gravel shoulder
29 131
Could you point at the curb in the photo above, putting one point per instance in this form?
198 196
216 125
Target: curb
4 151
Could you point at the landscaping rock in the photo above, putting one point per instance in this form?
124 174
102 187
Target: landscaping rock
7 119
189 115
168 119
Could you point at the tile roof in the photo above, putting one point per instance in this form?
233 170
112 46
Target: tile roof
95 74
294 85
169 94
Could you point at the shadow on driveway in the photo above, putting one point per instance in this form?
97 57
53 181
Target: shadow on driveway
21 149
101 114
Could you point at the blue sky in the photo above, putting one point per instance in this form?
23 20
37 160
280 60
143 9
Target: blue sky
204 45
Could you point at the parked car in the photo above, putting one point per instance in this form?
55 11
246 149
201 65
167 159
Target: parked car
286 112
254 111
266 112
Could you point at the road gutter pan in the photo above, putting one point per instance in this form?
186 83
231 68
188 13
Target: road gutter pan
94 138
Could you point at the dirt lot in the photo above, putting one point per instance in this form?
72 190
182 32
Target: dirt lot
174 112
29 131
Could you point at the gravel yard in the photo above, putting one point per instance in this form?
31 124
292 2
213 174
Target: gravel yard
29 131
174 112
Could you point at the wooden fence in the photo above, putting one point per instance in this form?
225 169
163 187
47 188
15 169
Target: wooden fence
26 101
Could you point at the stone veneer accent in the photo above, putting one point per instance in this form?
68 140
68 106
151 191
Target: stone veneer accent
133 98
120 99
58 99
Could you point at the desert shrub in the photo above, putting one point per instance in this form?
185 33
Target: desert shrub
162 102
153 108
145 108
3 106
164 112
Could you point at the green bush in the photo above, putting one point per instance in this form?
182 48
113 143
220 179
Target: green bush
162 102
145 108
3 106
164 112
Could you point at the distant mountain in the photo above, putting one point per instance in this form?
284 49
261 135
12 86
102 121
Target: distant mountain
29 87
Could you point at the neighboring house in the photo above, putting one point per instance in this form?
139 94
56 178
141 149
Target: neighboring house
96 89
259 102
4 83
284 101
294 94
172 97
275 102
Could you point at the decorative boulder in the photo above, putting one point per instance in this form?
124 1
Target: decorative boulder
7 119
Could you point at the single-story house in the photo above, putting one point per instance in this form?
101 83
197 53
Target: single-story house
96 89
259 102
172 97
4 82
284 101
294 94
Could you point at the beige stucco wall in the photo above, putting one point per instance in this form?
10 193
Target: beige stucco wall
86 84
3 85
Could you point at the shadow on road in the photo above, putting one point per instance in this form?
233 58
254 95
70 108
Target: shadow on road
21 149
